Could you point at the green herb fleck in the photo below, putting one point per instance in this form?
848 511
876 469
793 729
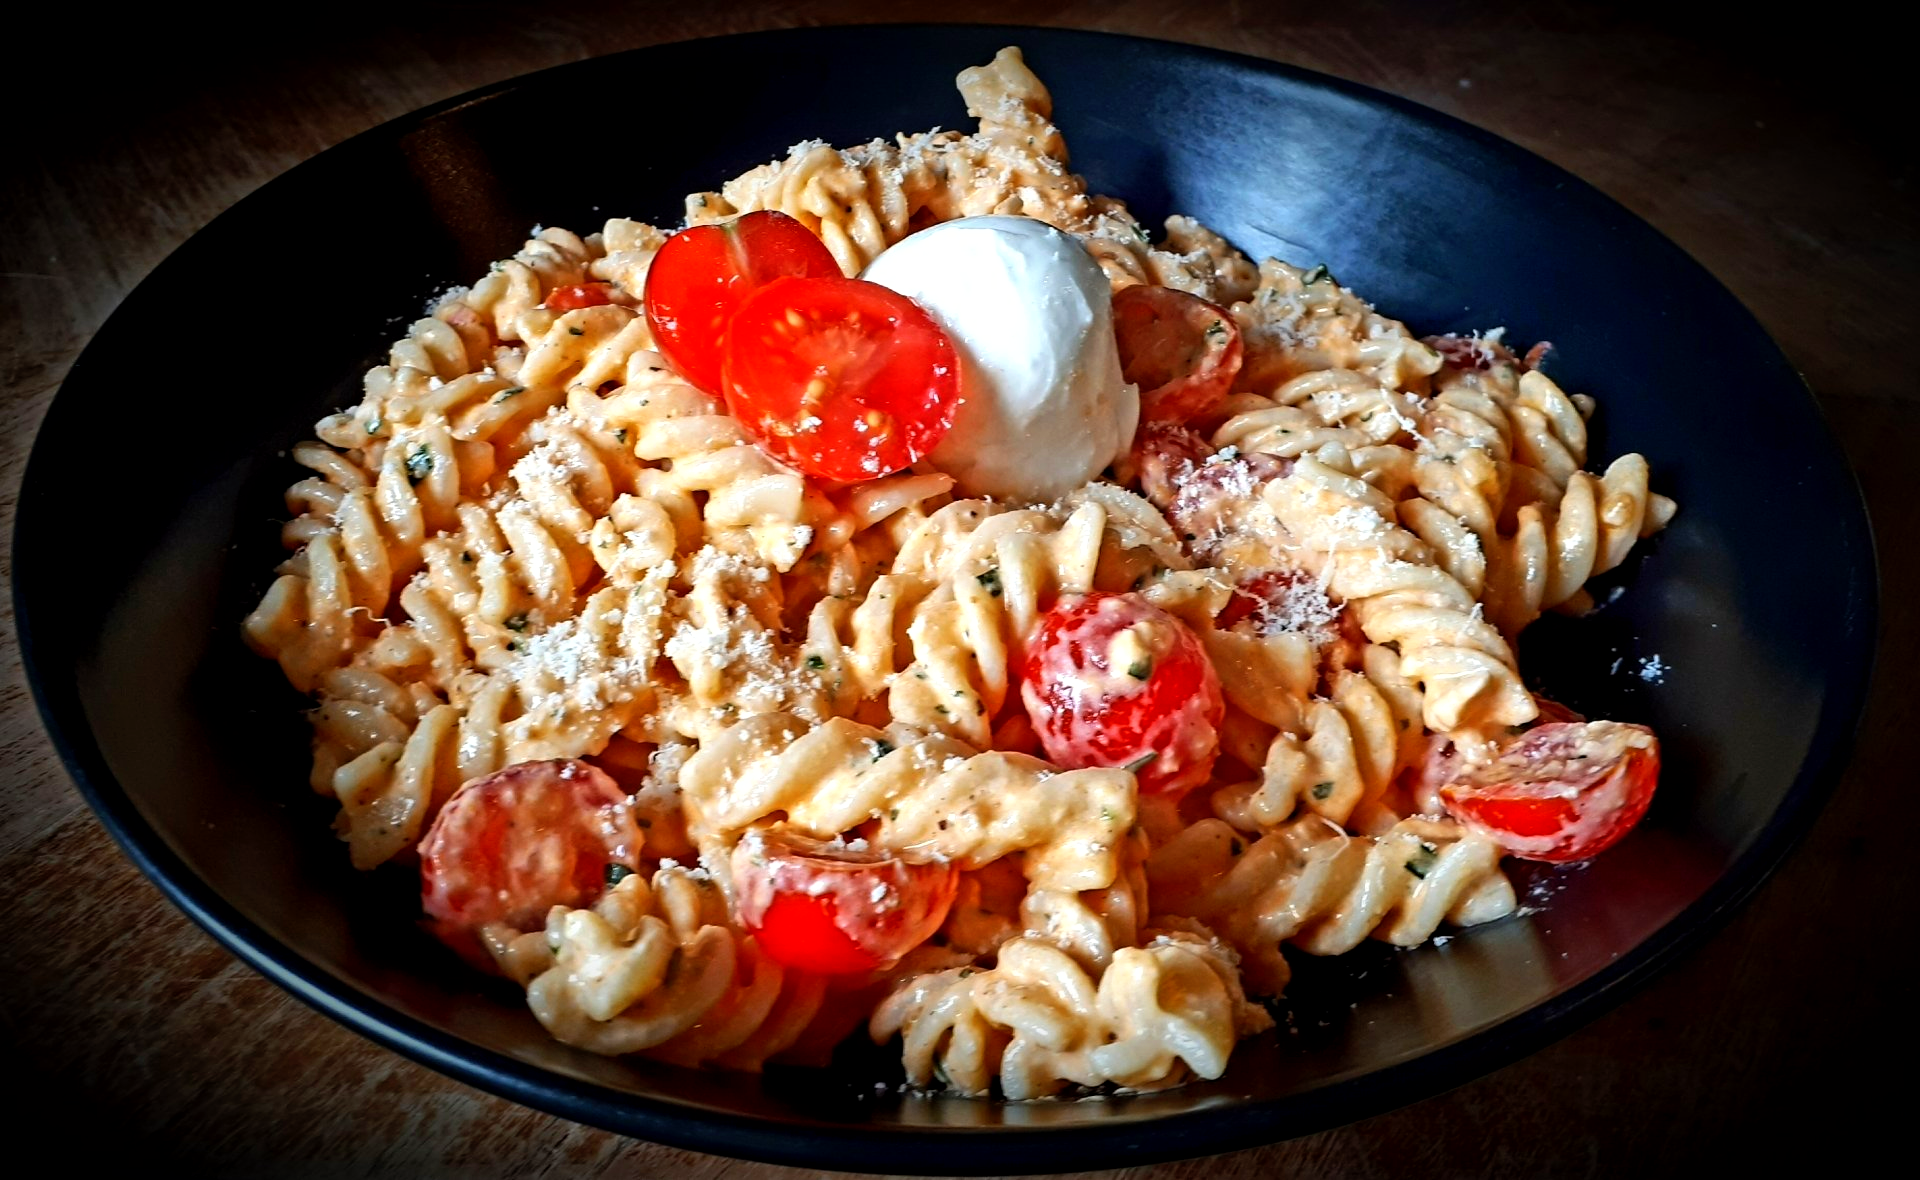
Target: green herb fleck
1322 790
991 581
374 425
893 813
1140 669
1142 231
504 394
617 873
1139 764
1315 275
576 331
517 623
1421 863
1216 330
620 435
816 662
419 463
881 748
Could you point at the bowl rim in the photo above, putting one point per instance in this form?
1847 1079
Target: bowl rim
963 1150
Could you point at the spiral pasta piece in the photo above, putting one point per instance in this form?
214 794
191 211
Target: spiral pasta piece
656 969
1346 533
1309 884
929 795
1037 1022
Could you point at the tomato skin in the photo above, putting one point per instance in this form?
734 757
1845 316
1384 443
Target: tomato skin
1562 791
843 379
575 298
834 910
509 846
702 274
1183 352
1160 714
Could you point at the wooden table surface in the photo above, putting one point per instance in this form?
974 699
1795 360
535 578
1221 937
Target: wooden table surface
1781 157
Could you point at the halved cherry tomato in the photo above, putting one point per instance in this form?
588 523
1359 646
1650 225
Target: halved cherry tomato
832 909
575 298
841 378
702 275
511 845
1182 351
1561 791
1112 680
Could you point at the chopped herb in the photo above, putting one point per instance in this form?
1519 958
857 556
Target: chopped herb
617 873
991 581
965 971
893 813
374 425
1142 231
1140 669
1322 790
576 331
1421 863
620 435
504 394
466 558
517 623
1216 330
816 662
419 463
1516 730
1315 275
940 709
1106 814
881 748
1139 764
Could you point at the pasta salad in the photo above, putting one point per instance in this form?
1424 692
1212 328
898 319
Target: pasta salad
917 600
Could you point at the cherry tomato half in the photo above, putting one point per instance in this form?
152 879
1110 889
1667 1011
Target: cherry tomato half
575 298
841 378
1561 791
1112 680
509 846
1182 351
835 910
702 275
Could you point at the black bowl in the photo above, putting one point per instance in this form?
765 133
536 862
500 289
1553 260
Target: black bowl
192 751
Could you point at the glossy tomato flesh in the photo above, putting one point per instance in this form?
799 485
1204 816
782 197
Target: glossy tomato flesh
1112 680
1182 351
509 846
841 378
702 274
577 297
1562 791
832 909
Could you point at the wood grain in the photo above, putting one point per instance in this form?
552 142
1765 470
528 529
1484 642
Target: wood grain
1781 157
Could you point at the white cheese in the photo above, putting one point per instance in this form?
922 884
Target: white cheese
1044 407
